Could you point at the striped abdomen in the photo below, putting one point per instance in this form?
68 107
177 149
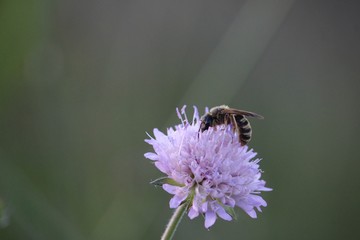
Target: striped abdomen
244 129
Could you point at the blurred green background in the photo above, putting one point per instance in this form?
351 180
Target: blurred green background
82 81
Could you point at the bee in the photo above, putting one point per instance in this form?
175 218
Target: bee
224 115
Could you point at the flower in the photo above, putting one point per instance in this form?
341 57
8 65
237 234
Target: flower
210 169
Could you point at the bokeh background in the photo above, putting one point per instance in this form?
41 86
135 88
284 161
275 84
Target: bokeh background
82 81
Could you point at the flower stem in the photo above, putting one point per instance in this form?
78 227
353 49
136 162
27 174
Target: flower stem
174 222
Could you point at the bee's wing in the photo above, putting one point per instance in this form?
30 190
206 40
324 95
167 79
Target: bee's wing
243 112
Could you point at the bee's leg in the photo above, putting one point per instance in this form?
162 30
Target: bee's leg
229 120
234 124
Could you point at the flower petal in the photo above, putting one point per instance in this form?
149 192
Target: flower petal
175 201
265 189
162 167
158 134
223 214
170 188
151 156
256 200
180 194
210 218
193 213
204 207
252 213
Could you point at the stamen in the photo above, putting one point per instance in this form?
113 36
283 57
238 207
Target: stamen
179 115
196 115
184 113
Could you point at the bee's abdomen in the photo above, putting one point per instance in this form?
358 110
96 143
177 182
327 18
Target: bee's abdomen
244 129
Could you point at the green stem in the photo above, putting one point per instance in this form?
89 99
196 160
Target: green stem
174 222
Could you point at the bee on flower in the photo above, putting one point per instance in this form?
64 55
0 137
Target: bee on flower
207 170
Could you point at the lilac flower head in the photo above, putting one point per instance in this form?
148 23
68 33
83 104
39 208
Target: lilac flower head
211 169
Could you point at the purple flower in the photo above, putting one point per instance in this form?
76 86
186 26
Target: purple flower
211 169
